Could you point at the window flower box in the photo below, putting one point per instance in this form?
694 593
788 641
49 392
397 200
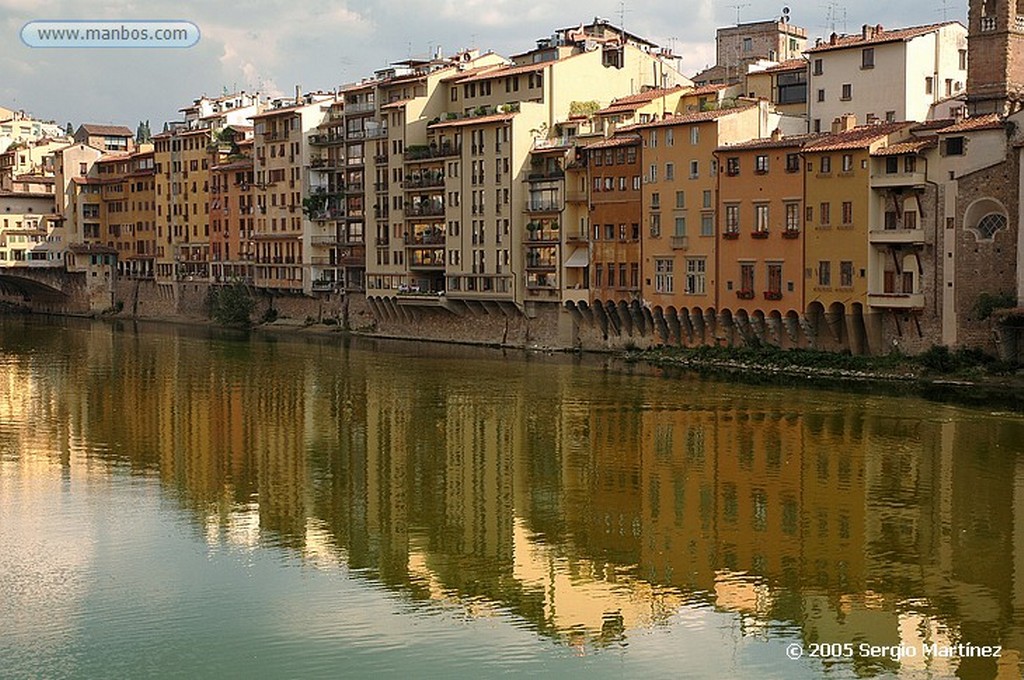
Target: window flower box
745 294
791 233
772 295
760 234
731 235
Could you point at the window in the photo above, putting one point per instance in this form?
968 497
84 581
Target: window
655 224
826 165
732 166
891 220
761 218
774 281
792 162
955 146
910 220
867 57
818 67
963 60
654 172
707 224
680 199
890 116
680 228
748 44
824 218
847 162
821 95
705 199
696 268
663 278
824 273
892 165
990 224
670 137
846 274
670 171
792 217
652 140
732 219
747 278
761 164
694 135
694 169
909 163
847 94
929 84
847 213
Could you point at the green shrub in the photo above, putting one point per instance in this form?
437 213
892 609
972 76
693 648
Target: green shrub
232 305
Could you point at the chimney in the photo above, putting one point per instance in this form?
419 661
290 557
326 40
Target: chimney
298 94
866 32
832 39
844 123
879 29
776 134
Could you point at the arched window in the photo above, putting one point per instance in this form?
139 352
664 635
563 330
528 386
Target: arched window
990 224
985 217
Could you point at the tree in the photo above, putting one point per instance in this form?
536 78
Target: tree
233 306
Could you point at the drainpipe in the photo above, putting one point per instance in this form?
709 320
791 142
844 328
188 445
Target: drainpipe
937 250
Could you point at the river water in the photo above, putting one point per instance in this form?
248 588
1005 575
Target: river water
178 502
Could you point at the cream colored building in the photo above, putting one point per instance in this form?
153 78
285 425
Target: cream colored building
885 75
23 230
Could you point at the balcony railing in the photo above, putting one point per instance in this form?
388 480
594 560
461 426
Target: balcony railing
424 210
325 139
360 107
423 182
543 175
543 205
426 238
416 153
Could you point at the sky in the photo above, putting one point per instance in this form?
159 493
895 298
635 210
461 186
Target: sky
273 45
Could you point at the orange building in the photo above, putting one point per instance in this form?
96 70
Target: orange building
232 214
614 177
760 249
127 210
679 208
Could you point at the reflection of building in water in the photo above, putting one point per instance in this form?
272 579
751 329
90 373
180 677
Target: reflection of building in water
590 504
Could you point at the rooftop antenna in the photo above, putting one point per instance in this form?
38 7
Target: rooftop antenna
738 8
945 9
622 17
832 14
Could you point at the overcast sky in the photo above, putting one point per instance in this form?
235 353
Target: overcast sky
274 45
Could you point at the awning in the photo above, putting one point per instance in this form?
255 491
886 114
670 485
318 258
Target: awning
579 258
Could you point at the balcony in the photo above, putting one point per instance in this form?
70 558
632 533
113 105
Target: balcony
322 285
541 143
543 205
426 259
575 196
324 240
326 139
896 236
326 163
680 242
354 188
424 182
360 107
422 153
545 175
432 237
376 132
329 214
424 210
889 180
896 300
539 234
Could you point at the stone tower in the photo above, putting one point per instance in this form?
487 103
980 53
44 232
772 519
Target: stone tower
995 65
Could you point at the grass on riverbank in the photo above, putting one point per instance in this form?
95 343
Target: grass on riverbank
937 362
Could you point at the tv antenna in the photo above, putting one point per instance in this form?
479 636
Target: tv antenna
622 15
833 14
945 9
738 8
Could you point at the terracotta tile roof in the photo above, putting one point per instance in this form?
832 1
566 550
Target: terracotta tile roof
913 146
242 164
396 104
473 120
470 71
878 37
933 124
707 89
789 65
792 141
182 133
611 142
635 101
687 118
106 130
35 179
858 138
989 121
503 71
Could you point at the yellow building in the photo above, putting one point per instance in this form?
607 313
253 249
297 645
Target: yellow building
837 204
283 230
